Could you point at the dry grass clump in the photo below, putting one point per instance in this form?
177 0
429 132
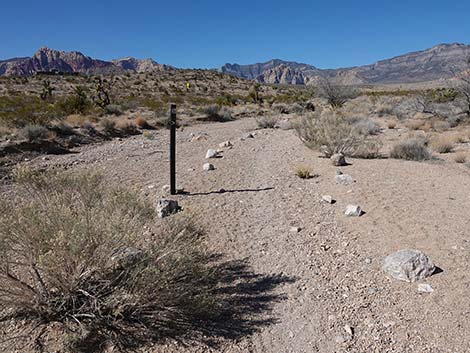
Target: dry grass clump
141 123
303 172
267 121
331 133
412 149
443 143
74 254
391 124
365 126
414 125
77 120
127 127
460 157
108 125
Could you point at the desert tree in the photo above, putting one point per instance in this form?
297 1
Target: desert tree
334 93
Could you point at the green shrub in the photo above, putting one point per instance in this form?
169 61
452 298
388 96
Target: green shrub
22 110
35 133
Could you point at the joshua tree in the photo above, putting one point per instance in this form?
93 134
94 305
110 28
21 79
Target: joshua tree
46 90
101 97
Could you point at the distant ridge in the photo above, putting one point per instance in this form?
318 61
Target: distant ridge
439 62
50 60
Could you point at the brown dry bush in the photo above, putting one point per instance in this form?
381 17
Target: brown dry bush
74 254
303 172
460 157
443 143
267 121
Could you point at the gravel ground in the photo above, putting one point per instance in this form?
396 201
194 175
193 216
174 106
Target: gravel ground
331 295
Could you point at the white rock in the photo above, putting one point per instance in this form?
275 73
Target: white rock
207 167
211 154
425 288
344 179
327 199
295 229
338 160
247 136
166 188
166 207
353 211
225 144
348 330
408 265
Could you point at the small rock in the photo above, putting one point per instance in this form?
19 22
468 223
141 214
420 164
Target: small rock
247 136
425 288
408 265
166 189
211 154
295 229
348 330
151 187
344 179
368 260
167 207
338 160
327 199
225 144
207 166
353 211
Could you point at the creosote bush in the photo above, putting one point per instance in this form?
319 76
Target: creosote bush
267 121
332 133
412 149
219 113
74 253
35 133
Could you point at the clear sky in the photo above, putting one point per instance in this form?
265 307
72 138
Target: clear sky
210 33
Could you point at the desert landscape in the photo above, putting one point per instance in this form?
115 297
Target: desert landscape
317 210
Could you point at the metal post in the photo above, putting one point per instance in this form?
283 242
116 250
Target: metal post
173 149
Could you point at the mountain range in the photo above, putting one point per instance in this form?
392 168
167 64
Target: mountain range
439 62
50 60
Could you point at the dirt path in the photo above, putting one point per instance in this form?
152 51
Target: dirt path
418 205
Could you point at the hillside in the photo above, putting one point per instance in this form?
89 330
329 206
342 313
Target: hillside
439 62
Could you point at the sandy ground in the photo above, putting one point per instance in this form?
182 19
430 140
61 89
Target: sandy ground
332 267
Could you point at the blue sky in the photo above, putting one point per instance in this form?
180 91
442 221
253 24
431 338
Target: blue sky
207 34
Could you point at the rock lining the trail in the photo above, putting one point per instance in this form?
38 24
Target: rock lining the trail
408 265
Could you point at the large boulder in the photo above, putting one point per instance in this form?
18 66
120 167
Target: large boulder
167 207
408 265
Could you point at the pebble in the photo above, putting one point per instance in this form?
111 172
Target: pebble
425 288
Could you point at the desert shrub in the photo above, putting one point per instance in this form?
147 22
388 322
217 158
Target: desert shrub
281 108
127 127
411 149
267 121
108 125
460 157
365 126
35 133
77 103
443 143
226 99
19 111
215 112
331 133
335 94
415 124
113 109
303 172
141 123
391 124
75 254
